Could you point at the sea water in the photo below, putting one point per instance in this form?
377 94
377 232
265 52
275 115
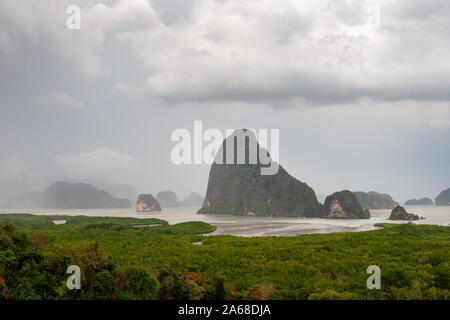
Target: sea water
258 226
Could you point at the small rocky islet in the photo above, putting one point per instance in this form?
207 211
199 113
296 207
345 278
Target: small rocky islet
344 204
147 203
399 213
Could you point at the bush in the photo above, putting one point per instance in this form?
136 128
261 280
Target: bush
141 284
103 285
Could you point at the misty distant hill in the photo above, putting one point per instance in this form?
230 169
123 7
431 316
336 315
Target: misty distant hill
167 199
419 202
383 195
193 200
375 200
443 199
66 195
120 191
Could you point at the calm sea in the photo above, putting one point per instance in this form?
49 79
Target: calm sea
259 226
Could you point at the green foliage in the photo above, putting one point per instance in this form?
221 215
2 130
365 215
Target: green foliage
141 284
191 227
103 285
161 262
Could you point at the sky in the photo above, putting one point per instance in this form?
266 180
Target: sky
359 90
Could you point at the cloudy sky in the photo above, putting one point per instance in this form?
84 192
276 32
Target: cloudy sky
360 90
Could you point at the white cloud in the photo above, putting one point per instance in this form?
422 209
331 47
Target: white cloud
63 99
28 25
126 89
99 163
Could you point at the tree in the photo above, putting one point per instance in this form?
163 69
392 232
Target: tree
103 285
141 283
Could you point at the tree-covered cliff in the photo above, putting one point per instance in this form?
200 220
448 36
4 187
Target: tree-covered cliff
240 189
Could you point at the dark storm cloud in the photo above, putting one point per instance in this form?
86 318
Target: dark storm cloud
102 102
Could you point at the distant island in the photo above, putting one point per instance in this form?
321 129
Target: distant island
240 189
443 199
117 190
193 200
67 195
399 213
167 199
419 202
375 200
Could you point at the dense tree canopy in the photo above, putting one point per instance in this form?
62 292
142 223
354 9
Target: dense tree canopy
126 258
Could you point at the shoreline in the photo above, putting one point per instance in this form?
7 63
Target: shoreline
245 226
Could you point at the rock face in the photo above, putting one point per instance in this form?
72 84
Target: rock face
194 200
238 188
419 202
167 199
344 205
65 195
375 200
147 203
399 213
443 199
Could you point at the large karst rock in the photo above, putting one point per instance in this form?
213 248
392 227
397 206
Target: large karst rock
147 203
375 200
399 213
344 205
419 202
443 199
167 199
238 188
